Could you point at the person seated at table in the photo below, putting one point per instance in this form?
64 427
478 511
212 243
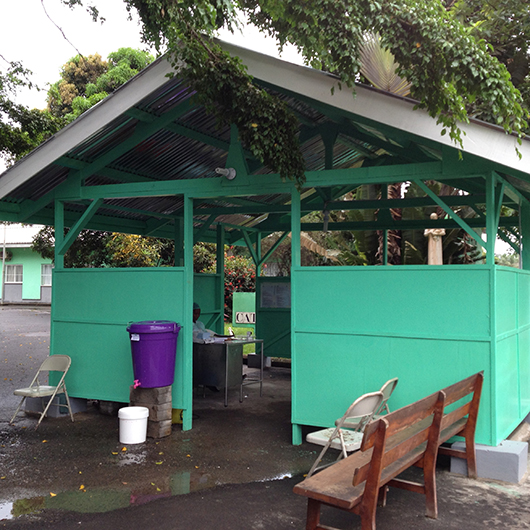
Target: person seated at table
199 329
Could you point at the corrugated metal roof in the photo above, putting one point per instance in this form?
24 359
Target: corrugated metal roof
165 136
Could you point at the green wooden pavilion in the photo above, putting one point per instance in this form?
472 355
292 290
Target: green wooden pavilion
144 161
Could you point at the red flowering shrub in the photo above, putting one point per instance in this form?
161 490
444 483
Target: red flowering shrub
240 275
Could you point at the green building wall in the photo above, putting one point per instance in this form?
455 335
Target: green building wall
31 262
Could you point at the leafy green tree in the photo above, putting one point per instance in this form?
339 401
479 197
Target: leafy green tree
21 129
88 250
508 260
505 25
204 257
87 80
76 74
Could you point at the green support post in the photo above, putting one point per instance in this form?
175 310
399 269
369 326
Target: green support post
491 227
295 263
188 317
59 234
179 242
221 272
525 233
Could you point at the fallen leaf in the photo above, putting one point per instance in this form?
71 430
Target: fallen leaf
114 453
124 449
53 494
152 483
2 478
196 467
158 463
157 489
161 453
124 483
189 456
44 441
80 472
82 487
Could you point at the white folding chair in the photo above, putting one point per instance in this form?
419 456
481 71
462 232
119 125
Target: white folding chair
54 363
348 432
387 390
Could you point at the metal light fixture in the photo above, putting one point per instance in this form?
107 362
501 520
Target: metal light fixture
228 172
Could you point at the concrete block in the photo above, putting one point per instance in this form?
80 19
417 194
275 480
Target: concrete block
507 461
159 429
156 396
156 412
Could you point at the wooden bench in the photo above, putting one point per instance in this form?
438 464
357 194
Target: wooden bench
463 420
390 445
410 436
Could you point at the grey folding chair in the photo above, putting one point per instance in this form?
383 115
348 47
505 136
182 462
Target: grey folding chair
348 432
54 363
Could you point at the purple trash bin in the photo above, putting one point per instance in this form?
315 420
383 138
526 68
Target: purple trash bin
153 348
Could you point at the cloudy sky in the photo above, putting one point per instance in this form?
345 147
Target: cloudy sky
30 36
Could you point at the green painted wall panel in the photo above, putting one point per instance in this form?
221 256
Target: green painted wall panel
512 359
332 370
205 289
408 301
506 300
273 315
274 327
92 308
101 360
524 371
523 301
507 383
355 328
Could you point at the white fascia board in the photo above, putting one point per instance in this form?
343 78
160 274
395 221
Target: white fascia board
18 245
117 103
481 139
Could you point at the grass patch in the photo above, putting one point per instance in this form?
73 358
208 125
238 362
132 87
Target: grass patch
247 348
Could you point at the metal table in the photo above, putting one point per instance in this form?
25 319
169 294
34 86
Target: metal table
246 380
220 364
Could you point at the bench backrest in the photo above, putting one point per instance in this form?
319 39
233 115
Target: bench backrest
454 393
413 429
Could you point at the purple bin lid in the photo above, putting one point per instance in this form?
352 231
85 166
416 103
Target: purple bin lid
154 326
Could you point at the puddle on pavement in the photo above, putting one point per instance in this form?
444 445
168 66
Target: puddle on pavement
98 500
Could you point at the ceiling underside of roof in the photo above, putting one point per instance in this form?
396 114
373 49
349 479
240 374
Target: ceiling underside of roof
167 137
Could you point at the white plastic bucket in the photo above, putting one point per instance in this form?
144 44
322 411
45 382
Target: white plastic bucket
133 424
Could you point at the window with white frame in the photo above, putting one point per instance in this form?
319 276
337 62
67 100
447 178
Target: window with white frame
13 274
46 274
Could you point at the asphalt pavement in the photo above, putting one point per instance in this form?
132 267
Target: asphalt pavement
234 470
